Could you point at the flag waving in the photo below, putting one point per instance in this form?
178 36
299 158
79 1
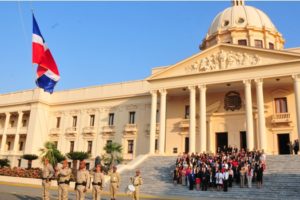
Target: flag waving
47 71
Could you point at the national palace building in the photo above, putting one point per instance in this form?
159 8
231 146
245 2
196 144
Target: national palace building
242 89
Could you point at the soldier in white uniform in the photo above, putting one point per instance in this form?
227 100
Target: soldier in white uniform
98 181
82 181
47 174
137 181
63 180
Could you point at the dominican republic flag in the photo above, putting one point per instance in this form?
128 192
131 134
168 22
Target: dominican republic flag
47 72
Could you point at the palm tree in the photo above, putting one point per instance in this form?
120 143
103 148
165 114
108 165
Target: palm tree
113 153
4 163
51 153
29 158
75 156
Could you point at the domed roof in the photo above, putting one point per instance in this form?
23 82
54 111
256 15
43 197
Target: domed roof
240 16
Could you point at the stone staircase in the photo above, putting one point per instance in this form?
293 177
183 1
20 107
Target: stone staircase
281 180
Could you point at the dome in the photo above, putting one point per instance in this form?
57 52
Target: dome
243 25
240 17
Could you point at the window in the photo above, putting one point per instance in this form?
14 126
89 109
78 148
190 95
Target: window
74 121
8 146
90 146
19 162
57 122
111 117
130 146
131 117
187 112
281 105
92 120
156 144
271 45
72 144
258 43
175 150
157 116
242 42
24 122
87 166
55 144
69 163
12 123
21 144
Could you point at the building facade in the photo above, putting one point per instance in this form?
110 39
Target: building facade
242 90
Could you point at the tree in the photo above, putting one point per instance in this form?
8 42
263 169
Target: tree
51 152
4 163
29 158
113 154
75 156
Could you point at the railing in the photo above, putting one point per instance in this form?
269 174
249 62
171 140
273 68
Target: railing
185 123
149 128
23 130
281 118
89 129
130 128
108 129
71 131
55 131
11 130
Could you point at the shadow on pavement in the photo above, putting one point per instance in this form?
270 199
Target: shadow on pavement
25 197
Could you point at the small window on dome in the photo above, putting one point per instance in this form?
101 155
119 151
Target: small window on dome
226 23
258 43
271 45
242 42
241 20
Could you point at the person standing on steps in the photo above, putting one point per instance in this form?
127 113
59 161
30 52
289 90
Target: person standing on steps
136 181
115 181
296 146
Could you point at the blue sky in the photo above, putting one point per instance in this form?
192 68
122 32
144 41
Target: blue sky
97 43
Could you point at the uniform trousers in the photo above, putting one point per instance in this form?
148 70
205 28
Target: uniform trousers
63 190
46 186
113 190
80 194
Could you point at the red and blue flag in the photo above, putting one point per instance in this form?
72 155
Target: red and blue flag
47 71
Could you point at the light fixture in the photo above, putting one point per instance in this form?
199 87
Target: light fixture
277 79
228 84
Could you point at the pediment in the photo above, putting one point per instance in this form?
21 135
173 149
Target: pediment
224 57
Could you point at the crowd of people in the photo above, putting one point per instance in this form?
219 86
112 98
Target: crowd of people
220 171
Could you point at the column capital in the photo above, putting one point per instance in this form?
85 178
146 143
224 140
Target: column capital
7 114
259 80
247 81
153 92
202 87
296 77
191 87
163 91
20 113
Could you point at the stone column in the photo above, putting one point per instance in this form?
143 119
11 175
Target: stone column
162 123
17 136
3 142
192 119
153 121
261 114
297 100
249 114
202 121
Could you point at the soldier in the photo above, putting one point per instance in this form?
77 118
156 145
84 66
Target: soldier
47 174
82 181
98 181
137 181
63 180
115 180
